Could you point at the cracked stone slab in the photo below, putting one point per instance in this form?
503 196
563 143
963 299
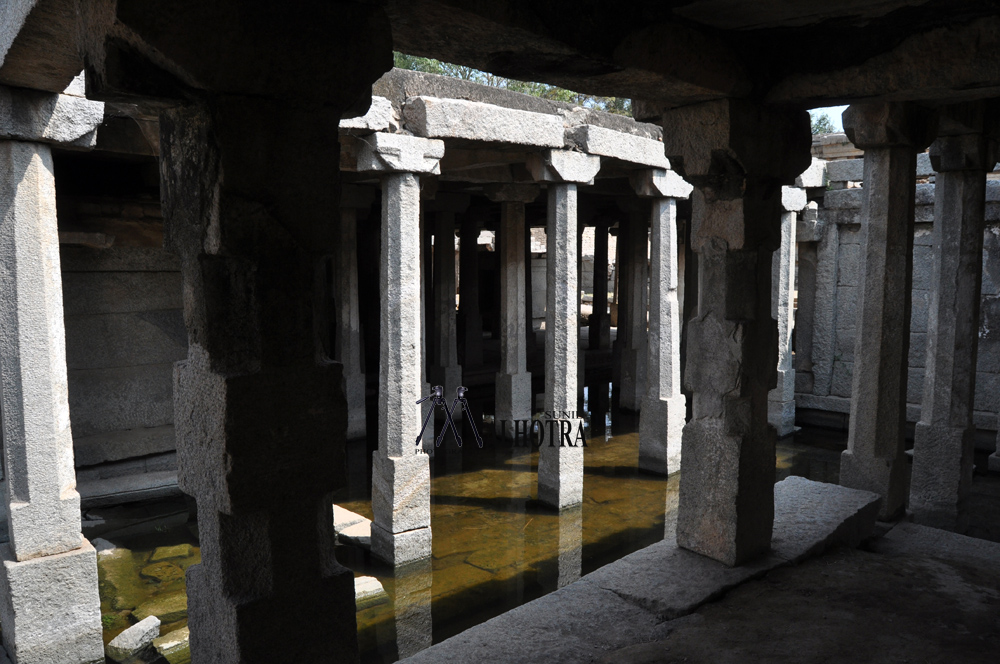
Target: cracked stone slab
630 599
626 147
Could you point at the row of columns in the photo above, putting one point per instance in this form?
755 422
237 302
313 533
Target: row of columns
964 151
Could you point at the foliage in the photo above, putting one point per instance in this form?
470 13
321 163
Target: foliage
616 105
822 124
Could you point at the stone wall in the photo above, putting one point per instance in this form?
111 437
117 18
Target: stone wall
124 331
836 247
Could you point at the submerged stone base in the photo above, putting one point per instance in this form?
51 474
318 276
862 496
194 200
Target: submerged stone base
661 428
629 600
50 609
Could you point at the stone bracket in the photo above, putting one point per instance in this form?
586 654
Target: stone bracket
564 166
659 183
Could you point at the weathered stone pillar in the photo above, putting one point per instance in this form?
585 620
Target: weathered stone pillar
401 529
445 369
664 406
513 382
260 412
470 320
736 154
49 605
807 234
560 462
890 134
600 321
781 400
347 349
636 275
426 322
945 435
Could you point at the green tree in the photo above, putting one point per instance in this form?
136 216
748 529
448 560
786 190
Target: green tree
617 105
822 124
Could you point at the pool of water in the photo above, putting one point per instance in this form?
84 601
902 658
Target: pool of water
494 546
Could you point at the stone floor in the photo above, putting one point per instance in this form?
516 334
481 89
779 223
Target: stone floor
916 595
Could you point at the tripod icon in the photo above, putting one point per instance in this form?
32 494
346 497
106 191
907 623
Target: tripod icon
437 398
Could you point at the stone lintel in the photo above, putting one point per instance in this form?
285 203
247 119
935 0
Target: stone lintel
659 183
512 192
793 199
625 147
814 176
563 166
30 115
889 124
395 153
964 152
378 118
432 117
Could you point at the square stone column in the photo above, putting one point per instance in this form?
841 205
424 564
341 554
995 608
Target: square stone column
401 529
944 441
260 410
49 603
513 382
664 407
781 400
891 134
347 348
445 369
736 154
470 319
600 320
632 320
560 465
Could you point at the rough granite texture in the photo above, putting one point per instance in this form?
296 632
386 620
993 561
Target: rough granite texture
133 639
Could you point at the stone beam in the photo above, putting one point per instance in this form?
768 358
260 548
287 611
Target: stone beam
735 154
459 118
41 44
890 135
617 145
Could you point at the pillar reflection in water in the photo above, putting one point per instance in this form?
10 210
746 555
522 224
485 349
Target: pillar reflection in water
570 545
412 604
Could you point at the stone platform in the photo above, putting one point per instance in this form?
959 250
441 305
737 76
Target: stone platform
631 600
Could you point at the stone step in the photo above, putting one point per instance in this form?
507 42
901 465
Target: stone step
128 488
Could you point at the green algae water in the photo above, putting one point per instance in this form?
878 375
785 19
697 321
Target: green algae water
494 546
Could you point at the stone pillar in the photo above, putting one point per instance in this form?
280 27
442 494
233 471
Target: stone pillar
807 234
445 369
945 435
347 349
781 400
636 275
401 531
49 604
600 321
260 412
890 134
736 154
664 407
513 382
560 464
470 320
426 322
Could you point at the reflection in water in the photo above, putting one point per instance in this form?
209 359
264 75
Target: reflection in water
570 545
495 547
412 605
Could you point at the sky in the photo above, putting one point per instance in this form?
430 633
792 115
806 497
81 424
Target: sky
834 113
